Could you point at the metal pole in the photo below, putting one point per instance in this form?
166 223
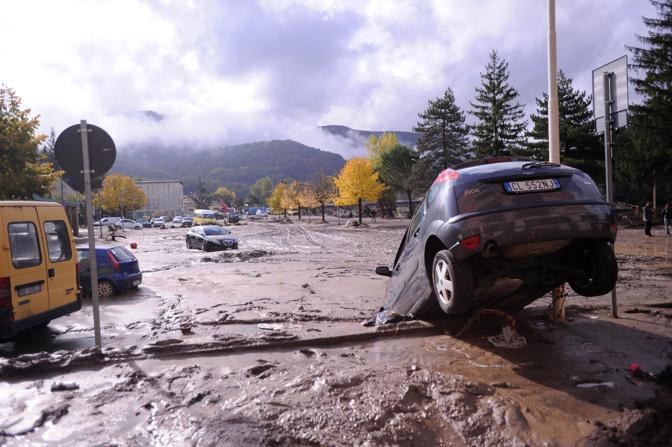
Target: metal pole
558 295
608 158
93 267
553 107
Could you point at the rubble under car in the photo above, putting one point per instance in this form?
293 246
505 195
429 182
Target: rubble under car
501 235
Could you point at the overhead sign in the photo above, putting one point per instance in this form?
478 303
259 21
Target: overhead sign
68 150
610 83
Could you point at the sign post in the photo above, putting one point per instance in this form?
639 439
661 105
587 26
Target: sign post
86 152
93 262
610 88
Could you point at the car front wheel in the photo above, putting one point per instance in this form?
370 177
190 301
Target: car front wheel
452 282
188 243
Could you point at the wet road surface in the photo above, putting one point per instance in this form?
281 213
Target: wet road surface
276 354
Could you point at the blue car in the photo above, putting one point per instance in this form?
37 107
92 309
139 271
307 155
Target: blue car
118 270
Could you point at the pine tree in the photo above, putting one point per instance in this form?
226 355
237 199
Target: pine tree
651 121
501 119
580 146
444 133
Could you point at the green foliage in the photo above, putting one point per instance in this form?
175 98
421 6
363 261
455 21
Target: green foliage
396 171
444 134
580 146
649 152
23 171
202 196
261 190
376 147
237 167
501 119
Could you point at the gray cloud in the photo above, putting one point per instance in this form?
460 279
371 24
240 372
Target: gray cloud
236 71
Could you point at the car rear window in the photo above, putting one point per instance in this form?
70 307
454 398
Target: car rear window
122 254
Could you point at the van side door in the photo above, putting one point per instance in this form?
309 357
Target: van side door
59 254
27 267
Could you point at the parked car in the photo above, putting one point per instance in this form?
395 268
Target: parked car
128 223
501 233
210 238
177 220
107 221
145 223
38 279
158 222
233 218
187 222
118 270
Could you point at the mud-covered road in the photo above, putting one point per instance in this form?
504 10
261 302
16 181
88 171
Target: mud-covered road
264 346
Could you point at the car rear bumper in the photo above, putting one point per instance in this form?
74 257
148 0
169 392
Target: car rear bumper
128 281
530 225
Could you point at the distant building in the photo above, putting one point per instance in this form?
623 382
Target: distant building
189 205
164 198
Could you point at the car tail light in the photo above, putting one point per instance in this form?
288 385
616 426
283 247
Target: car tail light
5 293
472 242
613 228
114 261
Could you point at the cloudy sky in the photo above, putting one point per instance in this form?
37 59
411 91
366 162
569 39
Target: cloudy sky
232 71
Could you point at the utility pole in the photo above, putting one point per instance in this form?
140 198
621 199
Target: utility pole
557 314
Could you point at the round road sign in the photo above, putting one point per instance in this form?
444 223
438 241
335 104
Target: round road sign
68 150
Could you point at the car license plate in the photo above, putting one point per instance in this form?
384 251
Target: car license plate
136 282
549 184
29 290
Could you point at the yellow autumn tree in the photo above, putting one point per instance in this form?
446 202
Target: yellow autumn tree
225 194
376 147
275 200
121 193
358 181
292 197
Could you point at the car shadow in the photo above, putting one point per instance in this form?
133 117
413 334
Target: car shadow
588 358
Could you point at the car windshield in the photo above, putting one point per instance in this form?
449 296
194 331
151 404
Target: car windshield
215 231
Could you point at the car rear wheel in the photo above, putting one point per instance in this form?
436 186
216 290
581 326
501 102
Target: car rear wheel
452 282
105 289
598 261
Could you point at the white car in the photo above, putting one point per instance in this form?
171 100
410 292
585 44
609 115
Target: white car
107 221
128 223
177 220
158 222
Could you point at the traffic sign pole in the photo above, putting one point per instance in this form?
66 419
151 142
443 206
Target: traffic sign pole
93 264
608 159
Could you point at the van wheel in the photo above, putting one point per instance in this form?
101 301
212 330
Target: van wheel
105 289
452 282
598 261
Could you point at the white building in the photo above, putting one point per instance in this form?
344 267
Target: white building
164 198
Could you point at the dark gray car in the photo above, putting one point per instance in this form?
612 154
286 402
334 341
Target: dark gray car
501 235
210 238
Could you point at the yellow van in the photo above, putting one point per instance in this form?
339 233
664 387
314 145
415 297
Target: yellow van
38 266
204 217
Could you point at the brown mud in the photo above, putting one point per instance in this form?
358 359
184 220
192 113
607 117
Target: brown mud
265 347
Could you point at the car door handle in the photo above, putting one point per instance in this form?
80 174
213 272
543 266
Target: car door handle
51 272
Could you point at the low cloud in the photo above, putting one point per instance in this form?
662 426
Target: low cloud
228 72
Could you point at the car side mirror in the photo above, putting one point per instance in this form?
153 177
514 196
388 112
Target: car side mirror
383 270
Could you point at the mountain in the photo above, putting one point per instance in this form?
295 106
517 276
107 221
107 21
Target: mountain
236 167
409 139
